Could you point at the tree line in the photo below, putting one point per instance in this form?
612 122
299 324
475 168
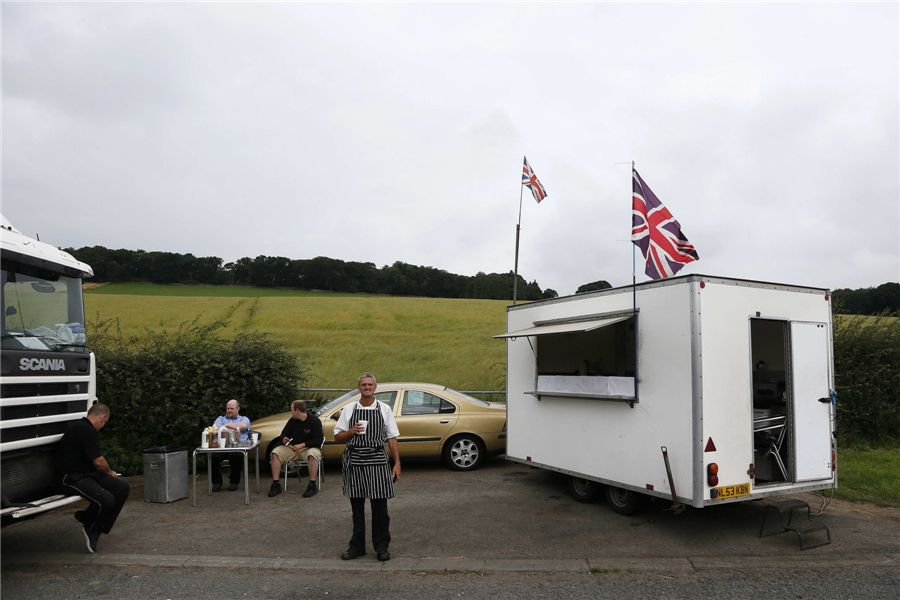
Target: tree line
868 301
320 273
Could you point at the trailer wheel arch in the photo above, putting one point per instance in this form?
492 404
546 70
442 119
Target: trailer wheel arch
461 439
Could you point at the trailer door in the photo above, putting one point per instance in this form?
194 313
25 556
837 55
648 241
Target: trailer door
812 419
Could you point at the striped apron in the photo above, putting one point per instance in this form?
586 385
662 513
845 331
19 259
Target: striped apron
367 473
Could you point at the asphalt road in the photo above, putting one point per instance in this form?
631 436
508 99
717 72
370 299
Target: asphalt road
141 583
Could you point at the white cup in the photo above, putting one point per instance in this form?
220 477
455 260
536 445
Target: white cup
255 438
364 423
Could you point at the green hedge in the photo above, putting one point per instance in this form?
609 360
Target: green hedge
163 388
867 379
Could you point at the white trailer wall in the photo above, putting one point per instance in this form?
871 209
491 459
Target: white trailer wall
726 307
608 440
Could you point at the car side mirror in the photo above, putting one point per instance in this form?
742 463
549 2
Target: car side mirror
336 416
10 311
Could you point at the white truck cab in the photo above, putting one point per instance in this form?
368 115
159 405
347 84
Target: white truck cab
48 376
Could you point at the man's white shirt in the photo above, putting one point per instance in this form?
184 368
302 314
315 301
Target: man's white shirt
387 413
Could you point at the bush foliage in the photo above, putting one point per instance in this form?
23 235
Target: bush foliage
867 378
166 386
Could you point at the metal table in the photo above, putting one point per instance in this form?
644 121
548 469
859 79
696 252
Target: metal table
242 449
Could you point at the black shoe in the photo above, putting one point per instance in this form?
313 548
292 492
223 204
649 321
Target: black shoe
275 490
383 556
91 537
232 487
310 490
351 554
217 487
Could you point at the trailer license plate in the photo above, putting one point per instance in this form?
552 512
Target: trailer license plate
731 491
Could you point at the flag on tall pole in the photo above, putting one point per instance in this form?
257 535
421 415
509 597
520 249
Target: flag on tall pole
530 179
656 232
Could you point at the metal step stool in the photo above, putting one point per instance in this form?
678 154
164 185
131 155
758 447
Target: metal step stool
789 507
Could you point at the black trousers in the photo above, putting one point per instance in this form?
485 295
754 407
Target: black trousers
235 460
107 496
381 525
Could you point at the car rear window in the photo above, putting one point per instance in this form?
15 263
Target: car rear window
467 397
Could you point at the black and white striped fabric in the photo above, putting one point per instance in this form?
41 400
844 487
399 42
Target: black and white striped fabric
367 473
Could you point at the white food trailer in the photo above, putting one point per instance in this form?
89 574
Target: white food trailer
734 380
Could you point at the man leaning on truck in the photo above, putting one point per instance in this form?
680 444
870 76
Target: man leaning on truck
81 469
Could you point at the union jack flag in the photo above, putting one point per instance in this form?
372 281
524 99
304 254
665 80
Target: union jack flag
656 232
531 180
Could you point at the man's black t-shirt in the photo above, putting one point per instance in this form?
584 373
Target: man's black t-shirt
77 450
308 432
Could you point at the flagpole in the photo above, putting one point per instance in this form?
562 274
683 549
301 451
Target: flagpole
634 296
518 226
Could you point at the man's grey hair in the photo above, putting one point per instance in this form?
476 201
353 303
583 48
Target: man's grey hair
366 374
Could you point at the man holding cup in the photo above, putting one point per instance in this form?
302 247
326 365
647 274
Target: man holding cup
365 426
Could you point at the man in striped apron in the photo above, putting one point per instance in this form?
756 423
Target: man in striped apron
365 426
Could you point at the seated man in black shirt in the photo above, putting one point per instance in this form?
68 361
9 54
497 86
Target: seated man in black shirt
303 433
81 469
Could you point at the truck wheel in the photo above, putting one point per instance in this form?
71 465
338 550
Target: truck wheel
584 490
464 453
624 502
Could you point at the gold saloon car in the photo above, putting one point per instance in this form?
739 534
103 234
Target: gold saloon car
434 422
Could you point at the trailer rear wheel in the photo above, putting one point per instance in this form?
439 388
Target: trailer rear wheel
584 490
624 502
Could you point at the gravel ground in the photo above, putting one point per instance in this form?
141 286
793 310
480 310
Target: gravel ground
503 510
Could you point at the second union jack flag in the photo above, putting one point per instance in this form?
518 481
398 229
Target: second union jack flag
656 232
531 180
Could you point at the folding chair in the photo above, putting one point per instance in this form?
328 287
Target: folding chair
777 425
298 464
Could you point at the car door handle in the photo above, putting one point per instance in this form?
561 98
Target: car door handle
825 400
445 420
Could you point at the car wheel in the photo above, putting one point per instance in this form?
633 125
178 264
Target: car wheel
464 453
584 490
624 502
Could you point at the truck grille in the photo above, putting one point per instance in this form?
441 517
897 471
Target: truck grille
32 431
27 475
27 411
29 390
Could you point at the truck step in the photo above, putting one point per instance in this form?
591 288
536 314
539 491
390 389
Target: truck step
776 523
802 532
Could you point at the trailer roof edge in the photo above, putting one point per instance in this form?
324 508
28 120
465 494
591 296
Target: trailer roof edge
680 279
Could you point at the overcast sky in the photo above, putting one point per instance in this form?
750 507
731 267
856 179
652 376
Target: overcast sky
395 132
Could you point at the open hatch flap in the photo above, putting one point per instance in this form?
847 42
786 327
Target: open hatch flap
571 327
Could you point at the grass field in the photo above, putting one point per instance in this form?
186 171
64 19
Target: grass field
869 476
437 340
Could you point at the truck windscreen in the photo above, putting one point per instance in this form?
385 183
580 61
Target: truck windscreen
41 311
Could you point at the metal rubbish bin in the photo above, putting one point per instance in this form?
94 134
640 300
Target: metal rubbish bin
165 474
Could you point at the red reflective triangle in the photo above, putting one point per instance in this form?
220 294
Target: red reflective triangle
710 446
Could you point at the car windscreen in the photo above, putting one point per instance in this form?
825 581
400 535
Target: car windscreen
321 410
42 310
